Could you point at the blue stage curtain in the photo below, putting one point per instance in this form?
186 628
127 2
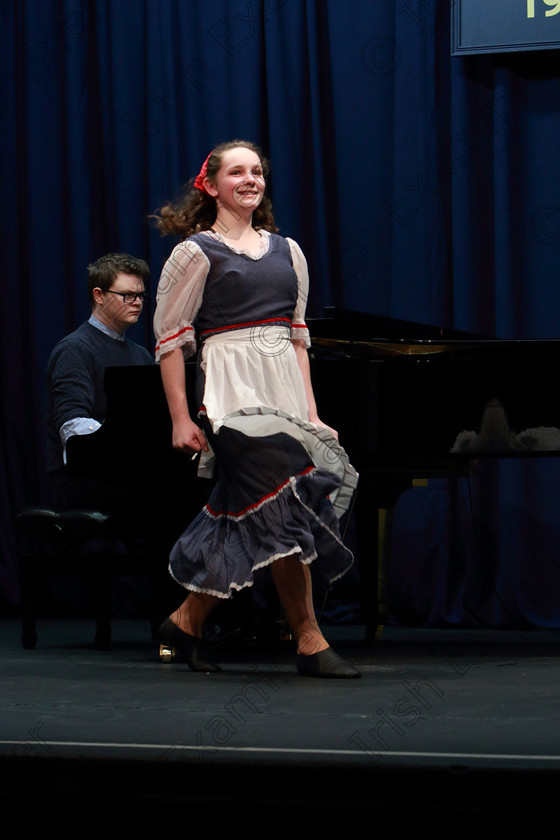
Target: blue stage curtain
421 186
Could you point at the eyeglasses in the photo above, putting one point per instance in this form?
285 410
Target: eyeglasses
130 297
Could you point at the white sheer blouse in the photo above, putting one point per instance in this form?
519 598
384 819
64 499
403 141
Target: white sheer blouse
181 287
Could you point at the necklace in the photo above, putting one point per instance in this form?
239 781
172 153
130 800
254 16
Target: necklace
231 242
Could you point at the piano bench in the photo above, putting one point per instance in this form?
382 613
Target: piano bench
70 543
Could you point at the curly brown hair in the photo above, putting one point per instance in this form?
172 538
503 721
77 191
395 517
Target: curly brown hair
195 210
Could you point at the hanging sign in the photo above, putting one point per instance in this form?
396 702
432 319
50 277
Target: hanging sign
485 26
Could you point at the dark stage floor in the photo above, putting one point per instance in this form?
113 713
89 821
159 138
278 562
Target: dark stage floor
456 723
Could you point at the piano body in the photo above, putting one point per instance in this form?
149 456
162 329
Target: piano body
410 401
133 448
411 391
413 402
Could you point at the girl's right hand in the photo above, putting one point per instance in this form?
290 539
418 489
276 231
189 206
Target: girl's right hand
189 438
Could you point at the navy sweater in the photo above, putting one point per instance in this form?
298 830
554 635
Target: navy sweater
75 378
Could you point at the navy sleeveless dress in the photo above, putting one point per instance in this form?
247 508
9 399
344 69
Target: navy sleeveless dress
282 483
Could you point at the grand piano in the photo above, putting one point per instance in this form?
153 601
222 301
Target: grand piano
410 402
414 402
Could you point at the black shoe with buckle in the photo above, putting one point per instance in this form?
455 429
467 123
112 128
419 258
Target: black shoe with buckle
172 637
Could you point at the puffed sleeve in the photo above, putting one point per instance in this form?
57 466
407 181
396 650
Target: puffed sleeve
299 327
178 299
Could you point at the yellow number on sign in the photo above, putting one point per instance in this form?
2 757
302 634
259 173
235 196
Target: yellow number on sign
530 8
555 10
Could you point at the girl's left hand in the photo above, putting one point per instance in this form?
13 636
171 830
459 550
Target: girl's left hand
317 422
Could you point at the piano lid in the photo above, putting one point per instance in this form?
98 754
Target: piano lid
360 333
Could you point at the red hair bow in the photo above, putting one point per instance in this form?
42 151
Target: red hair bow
199 180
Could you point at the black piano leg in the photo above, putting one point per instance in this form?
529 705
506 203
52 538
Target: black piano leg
102 597
384 528
374 521
367 537
28 592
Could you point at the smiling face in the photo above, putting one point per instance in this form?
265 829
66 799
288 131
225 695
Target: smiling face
240 181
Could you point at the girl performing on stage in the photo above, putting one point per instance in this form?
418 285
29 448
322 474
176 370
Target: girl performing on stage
234 292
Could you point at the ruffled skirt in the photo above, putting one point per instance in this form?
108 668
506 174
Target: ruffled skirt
282 483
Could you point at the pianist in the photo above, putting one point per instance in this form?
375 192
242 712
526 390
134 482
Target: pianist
76 400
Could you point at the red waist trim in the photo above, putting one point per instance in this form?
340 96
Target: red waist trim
246 324
256 504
